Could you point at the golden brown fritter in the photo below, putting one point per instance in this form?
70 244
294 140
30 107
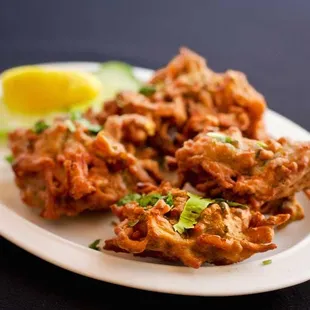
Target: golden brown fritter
132 130
288 205
186 98
248 171
211 99
65 169
168 118
222 235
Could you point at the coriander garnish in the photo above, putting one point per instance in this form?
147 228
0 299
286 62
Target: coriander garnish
92 128
145 201
129 198
262 144
231 203
75 115
149 200
221 137
9 159
94 245
191 212
40 126
147 90
267 262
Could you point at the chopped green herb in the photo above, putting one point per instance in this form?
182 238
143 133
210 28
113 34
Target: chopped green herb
193 208
169 200
149 200
191 212
152 199
9 159
262 144
267 262
221 138
93 128
75 115
147 90
40 126
129 198
146 200
70 125
231 203
94 245
133 223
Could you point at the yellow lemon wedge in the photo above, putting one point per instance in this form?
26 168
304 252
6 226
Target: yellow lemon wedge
36 90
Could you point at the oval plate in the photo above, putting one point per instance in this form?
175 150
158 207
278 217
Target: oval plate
65 242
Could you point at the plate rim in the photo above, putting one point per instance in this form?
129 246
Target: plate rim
42 249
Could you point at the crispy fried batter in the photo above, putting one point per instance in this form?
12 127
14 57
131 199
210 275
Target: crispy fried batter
168 117
188 99
288 205
132 130
221 236
212 99
65 173
247 171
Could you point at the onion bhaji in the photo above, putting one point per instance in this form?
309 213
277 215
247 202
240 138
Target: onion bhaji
186 97
222 234
65 169
265 175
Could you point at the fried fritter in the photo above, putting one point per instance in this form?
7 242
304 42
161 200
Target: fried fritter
212 99
261 174
168 117
188 98
222 235
65 169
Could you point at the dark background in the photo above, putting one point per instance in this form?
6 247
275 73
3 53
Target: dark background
268 40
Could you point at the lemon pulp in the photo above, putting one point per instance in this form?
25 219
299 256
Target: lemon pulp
37 90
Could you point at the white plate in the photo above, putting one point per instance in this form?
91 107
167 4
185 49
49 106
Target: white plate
64 242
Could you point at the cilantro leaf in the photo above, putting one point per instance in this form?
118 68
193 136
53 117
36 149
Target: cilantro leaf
262 144
267 262
146 200
149 199
95 245
92 128
221 137
129 198
40 126
75 115
9 159
231 203
169 200
147 90
191 212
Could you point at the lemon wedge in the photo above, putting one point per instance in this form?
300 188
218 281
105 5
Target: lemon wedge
34 90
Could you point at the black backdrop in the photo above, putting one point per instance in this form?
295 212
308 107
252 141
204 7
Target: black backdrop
268 40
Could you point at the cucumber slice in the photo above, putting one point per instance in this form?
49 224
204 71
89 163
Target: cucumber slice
117 76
